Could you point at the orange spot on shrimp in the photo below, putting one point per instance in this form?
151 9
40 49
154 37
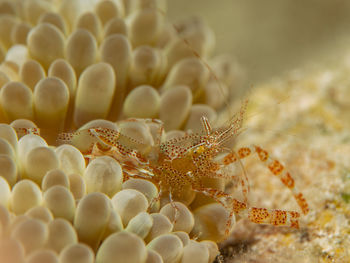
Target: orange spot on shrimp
244 152
302 203
287 180
263 155
238 206
294 216
279 218
258 215
276 167
229 158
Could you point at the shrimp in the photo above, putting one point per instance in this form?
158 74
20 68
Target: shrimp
180 165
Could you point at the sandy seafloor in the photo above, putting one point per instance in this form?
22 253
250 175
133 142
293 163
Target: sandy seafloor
303 120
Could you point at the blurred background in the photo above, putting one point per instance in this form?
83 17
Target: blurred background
270 37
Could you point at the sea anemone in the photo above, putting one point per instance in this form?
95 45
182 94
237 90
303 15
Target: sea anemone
69 62
67 65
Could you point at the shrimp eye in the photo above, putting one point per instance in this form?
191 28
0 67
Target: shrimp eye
199 150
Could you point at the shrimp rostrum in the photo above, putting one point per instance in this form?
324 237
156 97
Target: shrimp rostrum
180 166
